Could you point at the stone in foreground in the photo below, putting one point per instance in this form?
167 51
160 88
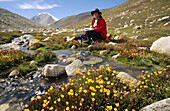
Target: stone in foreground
126 77
163 105
75 65
14 73
53 70
161 45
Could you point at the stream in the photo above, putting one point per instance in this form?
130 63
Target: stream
17 91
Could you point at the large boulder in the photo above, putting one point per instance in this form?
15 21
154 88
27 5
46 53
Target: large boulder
75 65
35 41
53 70
161 45
163 105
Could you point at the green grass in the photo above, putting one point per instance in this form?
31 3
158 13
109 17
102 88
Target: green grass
6 37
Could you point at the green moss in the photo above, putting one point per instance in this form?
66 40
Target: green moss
26 68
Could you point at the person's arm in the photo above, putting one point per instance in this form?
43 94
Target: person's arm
101 27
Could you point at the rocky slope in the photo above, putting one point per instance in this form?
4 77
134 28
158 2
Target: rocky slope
12 21
44 18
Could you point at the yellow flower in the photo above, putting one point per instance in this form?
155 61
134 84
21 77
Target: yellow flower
133 109
93 99
67 103
26 110
115 109
108 82
72 107
38 97
58 99
82 99
49 97
126 109
62 96
67 108
32 99
26 105
93 94
80 104
51 108
76 94
55 102
109 107
117 104
85 91
45 101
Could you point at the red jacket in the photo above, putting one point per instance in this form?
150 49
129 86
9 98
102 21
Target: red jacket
101 27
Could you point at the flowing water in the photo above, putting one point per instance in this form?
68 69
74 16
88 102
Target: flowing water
19 90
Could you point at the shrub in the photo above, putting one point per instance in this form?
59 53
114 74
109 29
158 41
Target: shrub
101 89
43 56
26 68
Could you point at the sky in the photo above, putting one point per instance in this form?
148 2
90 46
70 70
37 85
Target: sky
57 8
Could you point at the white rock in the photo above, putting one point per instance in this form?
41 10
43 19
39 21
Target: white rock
125 26
53 70
116 56
14 73
33 63
75 65
112 43
161 45
103 51
46 39
163 105
118 37
74 47
124 76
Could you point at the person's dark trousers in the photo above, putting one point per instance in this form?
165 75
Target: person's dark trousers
95 36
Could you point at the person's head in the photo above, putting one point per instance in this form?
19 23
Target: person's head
96 14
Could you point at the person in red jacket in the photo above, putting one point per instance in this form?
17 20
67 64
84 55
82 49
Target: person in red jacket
98 25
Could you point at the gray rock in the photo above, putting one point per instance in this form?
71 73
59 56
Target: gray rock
69 60
75 65
33 63
14 73
2 80
163 105
161 45
126 77
93 60
53 70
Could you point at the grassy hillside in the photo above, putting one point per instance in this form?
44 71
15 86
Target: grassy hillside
144 13
13 21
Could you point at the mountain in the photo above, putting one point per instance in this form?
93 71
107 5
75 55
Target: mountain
44 18
151 15
70 20
12 21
